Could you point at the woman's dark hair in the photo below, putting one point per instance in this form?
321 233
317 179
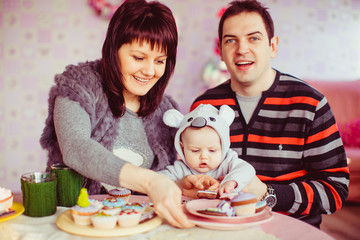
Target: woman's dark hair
237 7
138 20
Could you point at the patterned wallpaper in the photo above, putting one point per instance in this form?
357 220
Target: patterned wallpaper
319 39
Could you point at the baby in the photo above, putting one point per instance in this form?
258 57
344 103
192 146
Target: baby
203 143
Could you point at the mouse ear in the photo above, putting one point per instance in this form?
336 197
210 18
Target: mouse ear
173 118
227 113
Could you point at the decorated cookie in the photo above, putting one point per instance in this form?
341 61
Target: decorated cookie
222 209
210 194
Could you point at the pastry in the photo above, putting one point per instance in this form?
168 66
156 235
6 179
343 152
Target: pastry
134 206
112 205
85 208
210 194
104 221
6 200
129 218
244 204
122 193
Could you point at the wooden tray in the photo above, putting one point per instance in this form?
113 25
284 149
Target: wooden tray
66 223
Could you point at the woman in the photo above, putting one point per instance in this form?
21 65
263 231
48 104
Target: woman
105 116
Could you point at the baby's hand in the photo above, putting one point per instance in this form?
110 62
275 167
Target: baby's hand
227 187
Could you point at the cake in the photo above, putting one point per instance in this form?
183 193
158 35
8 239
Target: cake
222 209
122 193
210 194
135 206
244 204
85 208
104 221
6 201
129 218
112 205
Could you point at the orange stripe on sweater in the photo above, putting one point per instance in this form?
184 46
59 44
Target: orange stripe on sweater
343 169
337 198
297 174
310 196
284 177
323 134
237 138
214 102
292 100
275 140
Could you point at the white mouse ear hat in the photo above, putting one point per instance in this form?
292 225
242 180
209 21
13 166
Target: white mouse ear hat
204 115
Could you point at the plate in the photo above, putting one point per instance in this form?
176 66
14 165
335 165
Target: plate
195 205
19 209
207 223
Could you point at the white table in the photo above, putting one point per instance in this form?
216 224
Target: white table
278 227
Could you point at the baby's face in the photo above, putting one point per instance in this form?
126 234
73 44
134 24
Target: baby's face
202 148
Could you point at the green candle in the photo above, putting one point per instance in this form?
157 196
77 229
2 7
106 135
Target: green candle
39 193
69 184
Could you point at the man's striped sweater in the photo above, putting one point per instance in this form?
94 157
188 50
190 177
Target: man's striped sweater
293 142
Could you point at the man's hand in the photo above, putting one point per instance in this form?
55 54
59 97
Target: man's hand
256 187
190 184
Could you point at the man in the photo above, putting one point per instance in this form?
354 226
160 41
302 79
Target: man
283 126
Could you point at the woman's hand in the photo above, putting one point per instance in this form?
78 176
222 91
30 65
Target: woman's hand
190 184
164 193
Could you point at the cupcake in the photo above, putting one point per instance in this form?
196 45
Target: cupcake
122 193
244 204
84 208
6 200
135 206
104 221
129 218
112 206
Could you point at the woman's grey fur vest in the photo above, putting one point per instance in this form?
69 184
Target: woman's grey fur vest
82 83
